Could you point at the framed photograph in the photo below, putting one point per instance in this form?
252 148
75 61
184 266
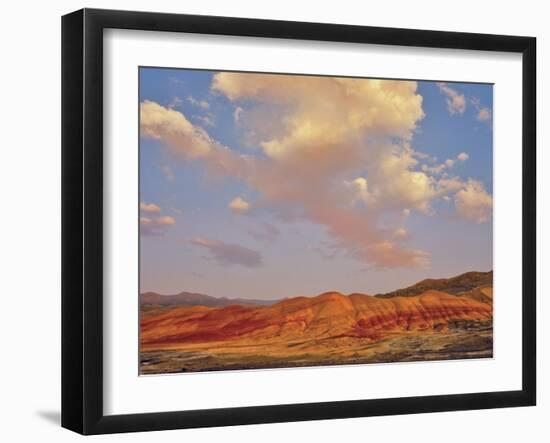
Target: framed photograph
269 221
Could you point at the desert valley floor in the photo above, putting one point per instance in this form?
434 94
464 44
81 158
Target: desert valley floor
435 319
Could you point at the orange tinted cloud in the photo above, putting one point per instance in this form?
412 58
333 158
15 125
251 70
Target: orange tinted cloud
149 207
484 115
155 226
239 205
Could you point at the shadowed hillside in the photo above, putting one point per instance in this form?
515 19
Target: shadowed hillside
454 285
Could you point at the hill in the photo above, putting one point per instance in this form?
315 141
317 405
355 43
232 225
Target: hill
435 319
330 315
458 285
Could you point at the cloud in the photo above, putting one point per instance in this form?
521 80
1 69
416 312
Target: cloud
473 202
190 141
203 104
456 102
237 113
326 130
177 81
333 151
304 167
175 103
227 254
173 128
435 170
393 106
155 226
239 205
360 190
165 220
168 172
447 164
326 251
149 207
206 120
401 233
483 113
264 232
399 185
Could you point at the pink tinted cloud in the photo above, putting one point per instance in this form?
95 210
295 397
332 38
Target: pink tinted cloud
155 226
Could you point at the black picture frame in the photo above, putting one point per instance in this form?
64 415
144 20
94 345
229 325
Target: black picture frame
82 220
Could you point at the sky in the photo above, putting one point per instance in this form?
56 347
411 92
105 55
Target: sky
270 185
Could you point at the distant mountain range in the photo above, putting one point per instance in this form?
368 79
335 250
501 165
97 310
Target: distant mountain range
459 285
195 299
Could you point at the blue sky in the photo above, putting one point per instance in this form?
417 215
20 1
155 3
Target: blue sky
270 186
